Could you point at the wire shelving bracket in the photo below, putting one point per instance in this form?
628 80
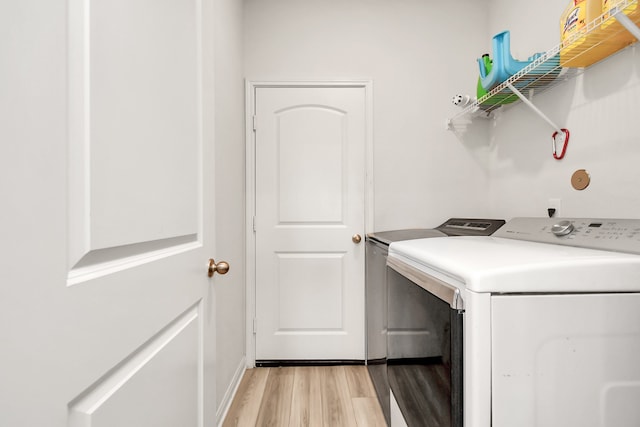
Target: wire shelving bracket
555 66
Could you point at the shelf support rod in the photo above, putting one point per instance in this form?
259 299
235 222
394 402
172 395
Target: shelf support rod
628 24
533 107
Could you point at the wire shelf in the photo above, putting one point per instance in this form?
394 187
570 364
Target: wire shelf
605 35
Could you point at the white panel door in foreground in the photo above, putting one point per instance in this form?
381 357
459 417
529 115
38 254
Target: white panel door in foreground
105 304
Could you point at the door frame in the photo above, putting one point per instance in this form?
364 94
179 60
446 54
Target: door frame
250 184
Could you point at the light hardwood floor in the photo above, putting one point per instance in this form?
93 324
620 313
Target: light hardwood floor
332 396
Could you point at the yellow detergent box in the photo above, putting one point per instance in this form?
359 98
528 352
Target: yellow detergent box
609 5
617 33
573 23
605 36
577 15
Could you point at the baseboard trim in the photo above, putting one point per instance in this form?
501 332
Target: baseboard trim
223 409
279 363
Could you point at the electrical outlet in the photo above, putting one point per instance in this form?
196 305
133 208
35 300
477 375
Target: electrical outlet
554 205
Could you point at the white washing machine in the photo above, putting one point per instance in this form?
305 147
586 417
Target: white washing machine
551 319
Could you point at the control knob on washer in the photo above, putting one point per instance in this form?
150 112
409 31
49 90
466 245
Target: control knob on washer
562 228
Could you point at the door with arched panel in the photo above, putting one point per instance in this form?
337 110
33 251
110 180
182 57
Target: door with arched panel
310 171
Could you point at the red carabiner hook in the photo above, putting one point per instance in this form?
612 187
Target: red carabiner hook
564 148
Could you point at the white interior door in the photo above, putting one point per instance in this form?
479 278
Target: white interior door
310 186
105 305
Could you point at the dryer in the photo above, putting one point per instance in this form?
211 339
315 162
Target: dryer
395 313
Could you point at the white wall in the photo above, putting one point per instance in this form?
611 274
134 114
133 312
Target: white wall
600 110
229 166
419 53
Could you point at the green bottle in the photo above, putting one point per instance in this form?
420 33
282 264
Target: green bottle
487 64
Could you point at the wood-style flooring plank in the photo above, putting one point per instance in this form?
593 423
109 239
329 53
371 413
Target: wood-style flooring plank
246 403
275 409
306 404
368 412
307 396
337 409
360 384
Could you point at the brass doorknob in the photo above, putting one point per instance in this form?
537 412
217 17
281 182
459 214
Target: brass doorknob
221 268
356 238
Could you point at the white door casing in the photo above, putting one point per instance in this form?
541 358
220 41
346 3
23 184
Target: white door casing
311 189
105 305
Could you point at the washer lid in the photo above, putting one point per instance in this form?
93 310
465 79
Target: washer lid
494 264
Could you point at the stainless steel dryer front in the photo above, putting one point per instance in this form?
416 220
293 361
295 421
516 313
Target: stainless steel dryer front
396 312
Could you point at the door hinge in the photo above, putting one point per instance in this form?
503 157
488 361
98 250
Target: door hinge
254 224
254 123
255 325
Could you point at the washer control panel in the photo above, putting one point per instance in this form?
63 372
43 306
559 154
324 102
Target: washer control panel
620 235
